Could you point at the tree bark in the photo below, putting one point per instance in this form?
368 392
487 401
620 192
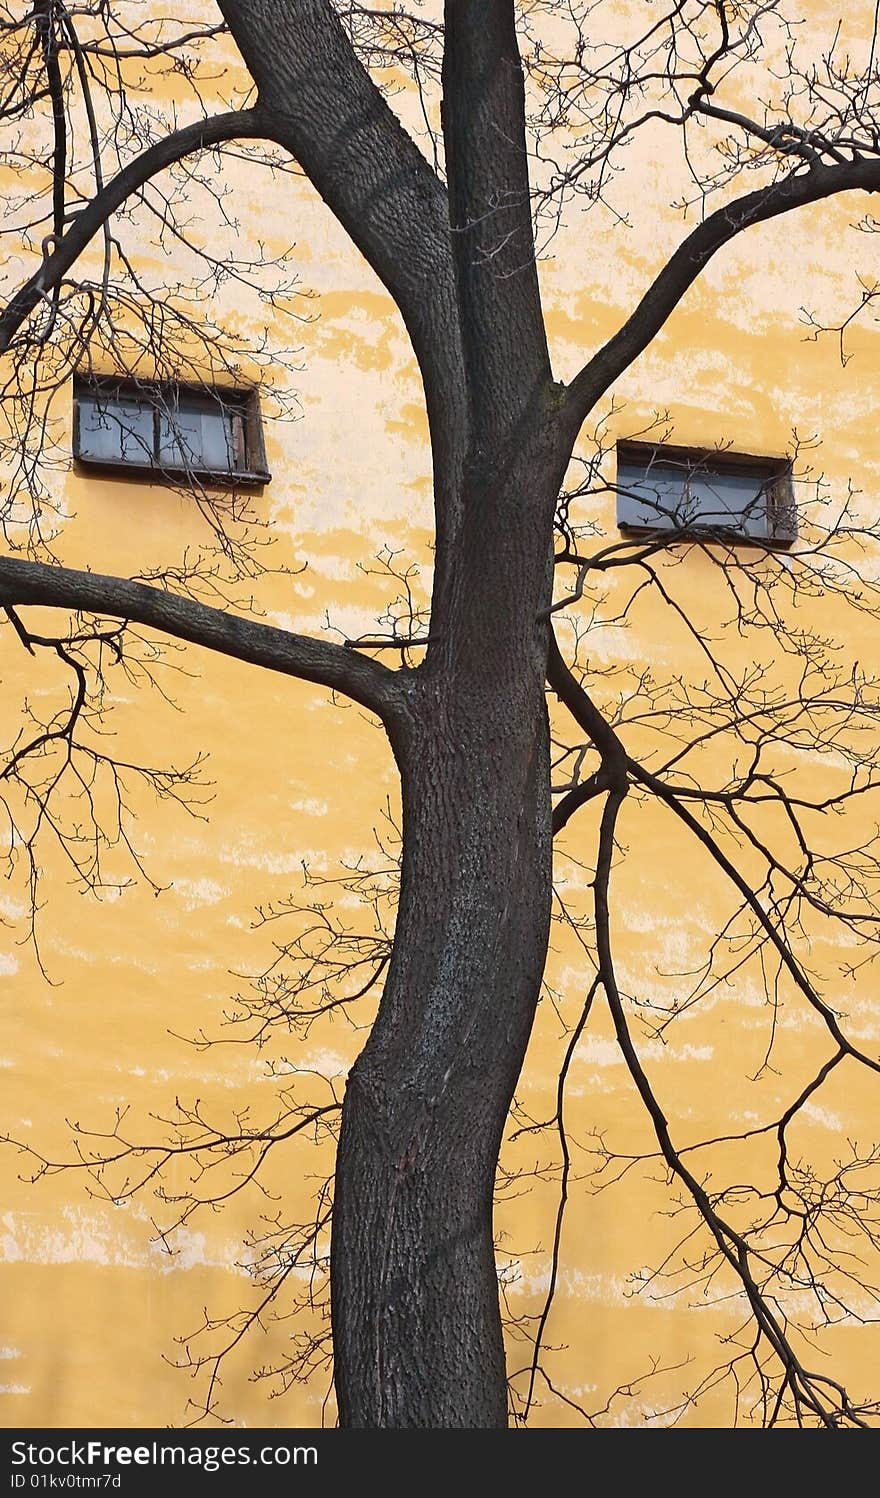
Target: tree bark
416 1319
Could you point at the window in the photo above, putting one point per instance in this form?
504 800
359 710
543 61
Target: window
693 491
176 431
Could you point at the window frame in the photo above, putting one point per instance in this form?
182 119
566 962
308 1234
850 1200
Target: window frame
775 473
160 395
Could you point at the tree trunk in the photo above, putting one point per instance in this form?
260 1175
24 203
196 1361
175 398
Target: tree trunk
416 1320
415 1295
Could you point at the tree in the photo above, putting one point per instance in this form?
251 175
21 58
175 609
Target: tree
539 103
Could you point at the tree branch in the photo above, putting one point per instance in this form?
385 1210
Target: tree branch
821 1396
618 769
584 711
327 111
693 255
786 956
366 681
61 254
49 41
505 342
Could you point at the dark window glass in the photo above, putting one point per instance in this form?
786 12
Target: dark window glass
201 433
171 429
662 489
115 428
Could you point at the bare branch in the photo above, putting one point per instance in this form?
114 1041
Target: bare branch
60 254
695 252
364 680
328 112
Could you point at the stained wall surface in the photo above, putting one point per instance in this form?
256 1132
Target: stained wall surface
106 1004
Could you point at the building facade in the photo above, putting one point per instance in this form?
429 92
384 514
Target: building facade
162 985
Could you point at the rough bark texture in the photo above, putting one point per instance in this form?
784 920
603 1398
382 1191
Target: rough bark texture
415 1295
417 1331
416 1318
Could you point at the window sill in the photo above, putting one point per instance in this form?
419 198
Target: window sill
705 534
254 478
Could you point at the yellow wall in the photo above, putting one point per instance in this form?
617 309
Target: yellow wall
94 1305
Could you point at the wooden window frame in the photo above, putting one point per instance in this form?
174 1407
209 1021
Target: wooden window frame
773 473
161 395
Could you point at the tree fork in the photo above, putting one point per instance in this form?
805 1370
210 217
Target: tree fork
414 1289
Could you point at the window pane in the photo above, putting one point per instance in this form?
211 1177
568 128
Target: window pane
677 495
163 426
735 500
198 434
650 496
115 428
